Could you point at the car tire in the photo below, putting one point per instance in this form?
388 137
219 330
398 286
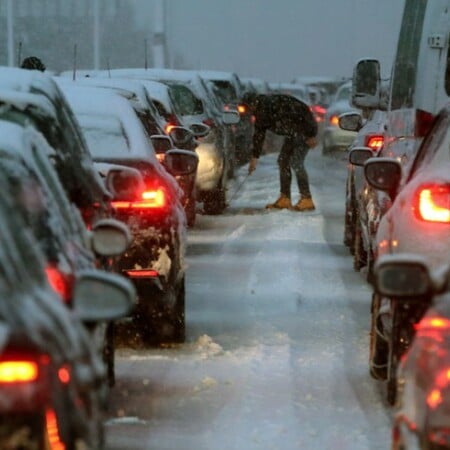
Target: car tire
378 348
359 254
190 213
215 202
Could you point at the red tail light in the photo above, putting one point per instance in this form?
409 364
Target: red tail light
142 273
53 431
424 121
319 109
375 142
434 398
18 371
61 283
334 120
242 109
150 199
437 323
433 203
64 374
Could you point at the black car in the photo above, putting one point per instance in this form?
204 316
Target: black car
30 97
52 377
155 215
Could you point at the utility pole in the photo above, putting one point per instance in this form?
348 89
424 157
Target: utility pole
159 35
96 34
10 31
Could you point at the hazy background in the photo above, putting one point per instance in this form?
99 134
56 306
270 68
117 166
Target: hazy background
278 39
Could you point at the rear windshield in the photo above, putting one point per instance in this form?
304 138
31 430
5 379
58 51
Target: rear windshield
105 136
225 90
184 101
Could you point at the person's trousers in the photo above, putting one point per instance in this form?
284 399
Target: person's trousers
292 157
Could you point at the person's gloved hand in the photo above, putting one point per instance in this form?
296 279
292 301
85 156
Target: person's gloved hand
252 165
311 142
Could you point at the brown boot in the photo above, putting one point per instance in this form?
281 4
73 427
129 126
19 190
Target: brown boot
283 202
305 204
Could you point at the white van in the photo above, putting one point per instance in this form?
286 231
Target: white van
420 77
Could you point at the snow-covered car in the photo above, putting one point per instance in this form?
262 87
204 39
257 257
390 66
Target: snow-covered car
421 413
47 274
30 179
177 100
154 125
32 97
418 219
335 138
155 259
362 211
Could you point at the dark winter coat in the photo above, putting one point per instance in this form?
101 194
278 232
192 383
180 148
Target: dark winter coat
283 115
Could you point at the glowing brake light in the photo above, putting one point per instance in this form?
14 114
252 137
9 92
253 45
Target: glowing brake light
434 398
18 371
151 199
169 127
59 282
375 142
434 203
242 109
439 323
53 431
334 120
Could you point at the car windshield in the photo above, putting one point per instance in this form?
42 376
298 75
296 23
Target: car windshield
105 136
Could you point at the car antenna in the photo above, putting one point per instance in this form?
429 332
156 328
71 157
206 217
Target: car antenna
74 76
145 55
19 54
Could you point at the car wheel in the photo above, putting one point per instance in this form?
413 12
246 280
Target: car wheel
166 325
378 348
350 214
359 254
108 353
190 213
215 201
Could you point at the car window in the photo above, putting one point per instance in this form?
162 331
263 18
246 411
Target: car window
105 136
438 138
184 101
225 90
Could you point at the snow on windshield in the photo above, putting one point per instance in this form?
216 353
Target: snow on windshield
105 136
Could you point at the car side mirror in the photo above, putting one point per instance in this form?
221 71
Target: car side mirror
383 174
181 162
161 143
123 183
181 136
110 237
350 121
403 277
102 296
230 117
366 84
359 155
200 129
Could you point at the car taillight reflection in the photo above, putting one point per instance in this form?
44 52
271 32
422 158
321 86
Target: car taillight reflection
60 283
375 142
18 372
150 199
424 120
433 203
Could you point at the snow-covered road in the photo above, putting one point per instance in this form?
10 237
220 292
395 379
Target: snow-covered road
277 335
